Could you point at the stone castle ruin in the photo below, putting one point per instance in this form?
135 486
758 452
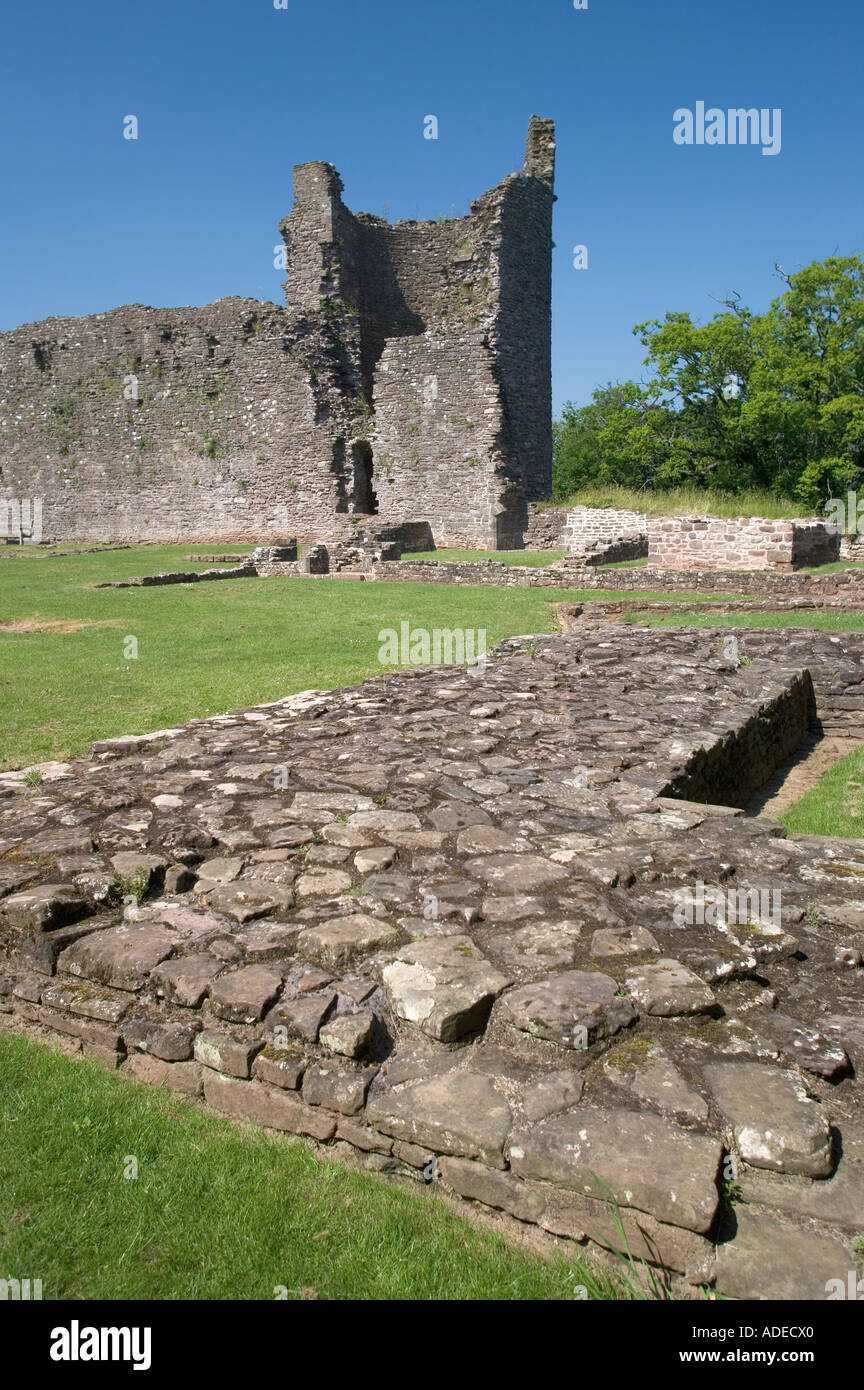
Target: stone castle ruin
407 377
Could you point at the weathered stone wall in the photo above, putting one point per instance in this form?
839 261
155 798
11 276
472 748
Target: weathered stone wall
741 542
648 577
852 547
423 467
545 525
227 421
575 573
615 552
586 525
408 375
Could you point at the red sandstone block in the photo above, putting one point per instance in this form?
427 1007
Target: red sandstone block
88 1032
262 1105
369 1140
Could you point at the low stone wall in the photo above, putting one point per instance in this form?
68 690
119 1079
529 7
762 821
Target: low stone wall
573 572
482 975
616 552
852 547
545 527
465 572
219 559
740 543
147 581
588 524
759 582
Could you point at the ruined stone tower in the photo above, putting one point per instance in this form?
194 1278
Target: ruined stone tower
408 376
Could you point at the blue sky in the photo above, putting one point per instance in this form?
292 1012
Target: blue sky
231 93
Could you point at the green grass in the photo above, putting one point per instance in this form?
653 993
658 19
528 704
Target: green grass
835 806
826 620
835 567
534 558
203 648
220 1212
687 501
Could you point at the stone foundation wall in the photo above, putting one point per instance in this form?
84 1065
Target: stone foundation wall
740 543
760 582
615 552
852 547
545 527
483 974
577 574
585 525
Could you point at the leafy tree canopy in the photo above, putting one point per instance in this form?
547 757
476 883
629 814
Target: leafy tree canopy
773 400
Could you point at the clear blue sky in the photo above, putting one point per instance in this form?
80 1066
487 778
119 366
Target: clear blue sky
231 93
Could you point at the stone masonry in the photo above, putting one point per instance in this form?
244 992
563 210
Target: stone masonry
585 526
460 916
408 375
740 543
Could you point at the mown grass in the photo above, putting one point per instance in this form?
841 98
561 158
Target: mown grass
202 648
835 567
830 620
219 1212
686 501
835 806
534 558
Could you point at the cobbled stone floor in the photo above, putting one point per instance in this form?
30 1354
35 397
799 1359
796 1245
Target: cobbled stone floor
506 929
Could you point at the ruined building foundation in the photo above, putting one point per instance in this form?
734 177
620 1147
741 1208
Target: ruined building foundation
499 963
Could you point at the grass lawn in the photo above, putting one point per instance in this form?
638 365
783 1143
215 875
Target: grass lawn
217 1211
835 806
534 558
836 567
202 648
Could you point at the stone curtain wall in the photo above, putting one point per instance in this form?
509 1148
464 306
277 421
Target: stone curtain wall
585 525
237 430
745 543
408 375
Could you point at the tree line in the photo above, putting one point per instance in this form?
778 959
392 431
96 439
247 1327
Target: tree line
773 401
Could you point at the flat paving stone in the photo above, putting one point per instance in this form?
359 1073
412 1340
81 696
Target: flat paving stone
631 1157
517 873
122 957
338 941
186 979
444 985
575 1009
774 1123
668 990
458 1113
243 996
250 898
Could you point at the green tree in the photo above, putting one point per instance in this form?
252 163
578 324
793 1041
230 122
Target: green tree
773 400
621 437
